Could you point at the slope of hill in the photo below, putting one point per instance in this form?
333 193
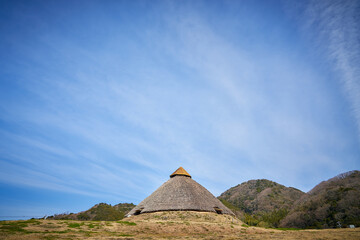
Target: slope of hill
101 211
256 196
332 203
263 202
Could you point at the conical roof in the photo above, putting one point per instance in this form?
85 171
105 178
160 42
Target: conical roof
180 172
180 193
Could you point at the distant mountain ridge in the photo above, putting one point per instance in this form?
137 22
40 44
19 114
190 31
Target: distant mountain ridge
331 203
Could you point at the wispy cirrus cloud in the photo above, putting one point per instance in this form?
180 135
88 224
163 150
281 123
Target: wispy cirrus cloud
337 29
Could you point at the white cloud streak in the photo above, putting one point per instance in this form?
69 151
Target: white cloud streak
338 25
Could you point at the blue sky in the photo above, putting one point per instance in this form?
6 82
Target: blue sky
100 101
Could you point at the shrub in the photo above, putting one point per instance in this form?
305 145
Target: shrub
83 216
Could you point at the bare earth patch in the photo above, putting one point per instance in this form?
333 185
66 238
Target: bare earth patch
166 225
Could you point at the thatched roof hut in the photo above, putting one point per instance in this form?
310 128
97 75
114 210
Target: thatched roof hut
180 193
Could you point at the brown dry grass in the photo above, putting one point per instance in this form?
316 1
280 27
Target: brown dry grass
168 225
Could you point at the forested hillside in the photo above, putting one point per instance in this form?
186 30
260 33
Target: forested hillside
261 202
101 211
332 203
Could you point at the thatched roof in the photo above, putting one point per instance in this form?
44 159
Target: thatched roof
180 172
180 193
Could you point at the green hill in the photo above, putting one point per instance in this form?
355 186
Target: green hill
261 202
258 196
101 212
332 203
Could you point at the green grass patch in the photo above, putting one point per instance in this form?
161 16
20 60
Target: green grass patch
33 221
15 223
289 229
75 225
14 226
49 226
244 225
124 235
91 225
127 223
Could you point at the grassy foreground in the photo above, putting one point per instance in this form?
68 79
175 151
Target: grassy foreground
170 225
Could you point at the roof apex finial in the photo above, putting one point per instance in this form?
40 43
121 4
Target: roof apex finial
180 172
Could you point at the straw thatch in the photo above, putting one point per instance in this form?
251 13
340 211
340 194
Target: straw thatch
180 193
180 171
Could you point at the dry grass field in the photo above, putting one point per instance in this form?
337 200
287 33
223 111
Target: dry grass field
169 225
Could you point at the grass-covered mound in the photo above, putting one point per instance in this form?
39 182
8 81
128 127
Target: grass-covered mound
186 216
